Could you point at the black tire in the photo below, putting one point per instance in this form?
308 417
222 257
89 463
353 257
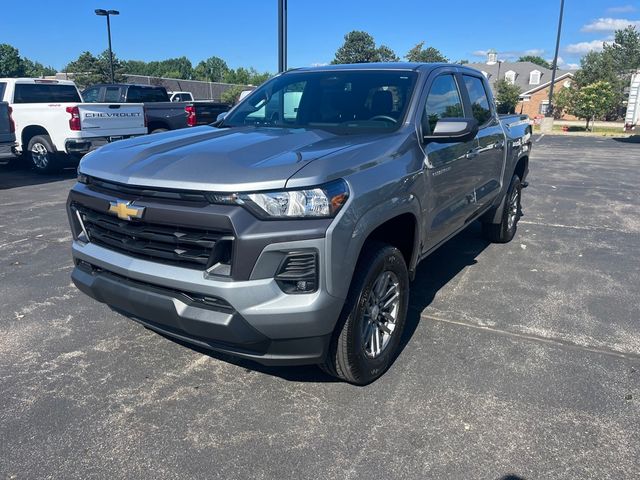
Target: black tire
504 231
42 155
349 357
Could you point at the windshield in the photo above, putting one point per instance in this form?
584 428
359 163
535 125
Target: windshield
341 101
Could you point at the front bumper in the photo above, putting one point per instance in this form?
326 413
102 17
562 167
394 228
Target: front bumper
257 321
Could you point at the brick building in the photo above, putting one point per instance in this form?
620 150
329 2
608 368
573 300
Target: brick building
532 79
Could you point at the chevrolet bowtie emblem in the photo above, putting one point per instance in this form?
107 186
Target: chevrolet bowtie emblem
124 210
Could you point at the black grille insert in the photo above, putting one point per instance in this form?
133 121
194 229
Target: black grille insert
171 244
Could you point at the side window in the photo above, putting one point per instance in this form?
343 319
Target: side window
479 100
3 86
90 95
112 95
443 101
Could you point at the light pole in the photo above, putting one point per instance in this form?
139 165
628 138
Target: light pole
282 35
555 62
107 13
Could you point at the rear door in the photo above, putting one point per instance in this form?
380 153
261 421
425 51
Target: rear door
487 164
447 164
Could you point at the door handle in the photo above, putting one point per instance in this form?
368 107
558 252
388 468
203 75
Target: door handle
471 154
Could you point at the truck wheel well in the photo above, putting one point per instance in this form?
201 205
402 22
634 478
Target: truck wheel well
29 132
155 125
521 167
398 232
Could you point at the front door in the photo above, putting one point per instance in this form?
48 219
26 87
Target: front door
448 181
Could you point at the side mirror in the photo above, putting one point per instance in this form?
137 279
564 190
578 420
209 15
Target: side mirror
221 116
453 130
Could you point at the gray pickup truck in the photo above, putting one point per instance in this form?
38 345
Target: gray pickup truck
7 134
289 233
162 114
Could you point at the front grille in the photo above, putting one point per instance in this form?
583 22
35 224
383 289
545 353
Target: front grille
170 244
148 192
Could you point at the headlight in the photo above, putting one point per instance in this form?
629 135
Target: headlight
315 202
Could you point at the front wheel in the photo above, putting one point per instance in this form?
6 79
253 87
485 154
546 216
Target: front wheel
504 231
42 154
370 327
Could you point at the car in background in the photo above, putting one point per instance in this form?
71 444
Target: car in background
54 127
7 134
181 97
162 113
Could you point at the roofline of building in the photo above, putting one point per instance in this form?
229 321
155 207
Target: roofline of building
545 85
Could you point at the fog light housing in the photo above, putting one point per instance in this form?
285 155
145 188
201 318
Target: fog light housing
298 272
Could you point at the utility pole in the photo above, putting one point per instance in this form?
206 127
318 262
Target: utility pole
282 35
555 62
107 13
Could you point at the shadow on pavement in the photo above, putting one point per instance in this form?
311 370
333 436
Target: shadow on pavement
21 176
632 139
434 273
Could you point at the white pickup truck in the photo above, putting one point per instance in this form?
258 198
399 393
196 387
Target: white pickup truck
53 126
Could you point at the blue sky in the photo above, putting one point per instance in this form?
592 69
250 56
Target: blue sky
244 32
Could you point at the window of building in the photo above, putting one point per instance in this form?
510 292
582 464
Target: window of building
534 77
544 107
510 76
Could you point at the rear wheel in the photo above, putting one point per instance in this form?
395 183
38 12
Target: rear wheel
42 155
504 231
370 327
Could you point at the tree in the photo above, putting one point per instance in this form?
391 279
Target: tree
358 47
538 60
231 94
11 65
246 76
507 96
36 69
89 70
425 55
625 51
613 65
385 54
213 69
592 101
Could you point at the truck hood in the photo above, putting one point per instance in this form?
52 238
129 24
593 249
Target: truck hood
206 158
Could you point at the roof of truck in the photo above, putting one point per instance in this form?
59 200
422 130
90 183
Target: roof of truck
380 66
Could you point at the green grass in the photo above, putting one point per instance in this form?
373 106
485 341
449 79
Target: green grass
581 129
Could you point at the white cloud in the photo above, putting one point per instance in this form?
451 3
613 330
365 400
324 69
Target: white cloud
622 9
581 48
573 66
609 24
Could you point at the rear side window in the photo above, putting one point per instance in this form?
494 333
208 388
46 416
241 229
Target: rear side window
141 94
90 95
443 101
479 100
45 93
3 87
112 94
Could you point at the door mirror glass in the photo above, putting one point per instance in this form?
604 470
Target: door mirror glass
221 116
453 130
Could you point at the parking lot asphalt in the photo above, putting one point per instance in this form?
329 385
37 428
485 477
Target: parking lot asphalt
521 360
